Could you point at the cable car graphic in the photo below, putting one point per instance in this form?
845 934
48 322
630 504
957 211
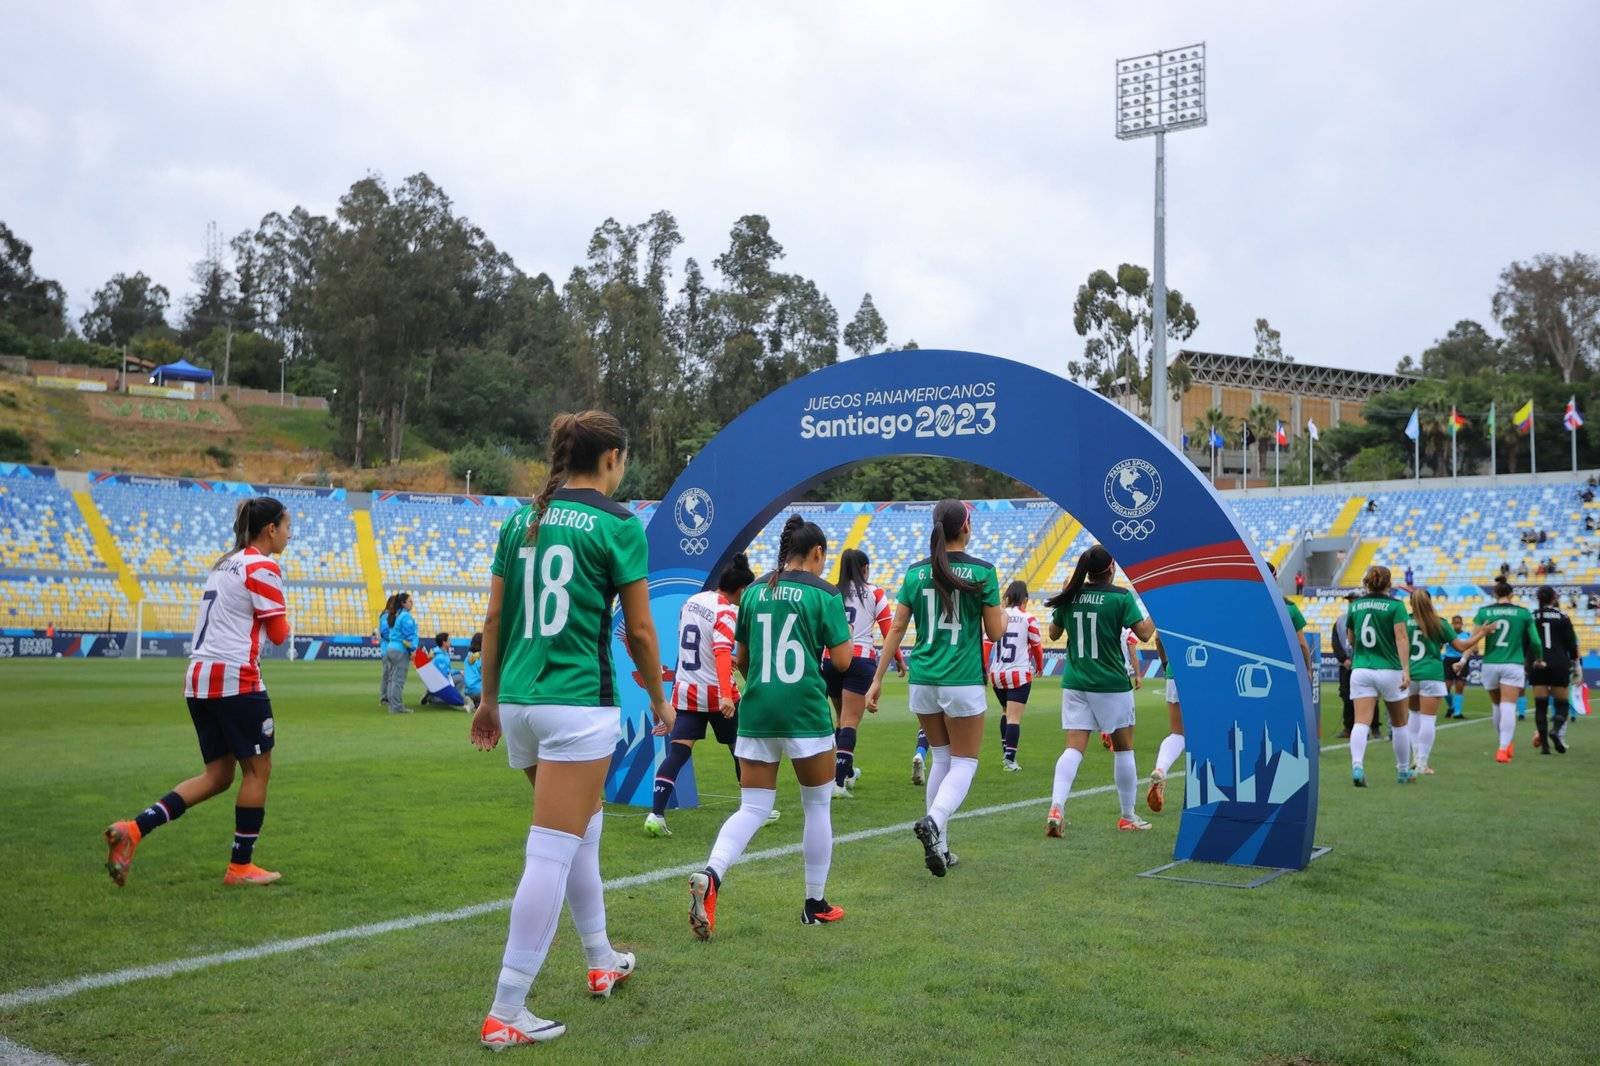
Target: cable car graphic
1253 681
1196 656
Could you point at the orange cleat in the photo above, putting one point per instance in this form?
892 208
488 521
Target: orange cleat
703 904
603 980
1132 825
820 912
527 1028
121 840
1503 755
1053 824
1156 798
1105 739
248 874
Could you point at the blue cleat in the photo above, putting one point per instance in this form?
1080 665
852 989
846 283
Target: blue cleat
1405 777
1358 776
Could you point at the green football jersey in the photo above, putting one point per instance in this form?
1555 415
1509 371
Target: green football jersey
1372 621
1514 638
555 616
1093 624
949 649
1296 617
784 629
1427 649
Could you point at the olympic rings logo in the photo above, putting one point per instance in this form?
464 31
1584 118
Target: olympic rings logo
694 545
1134 530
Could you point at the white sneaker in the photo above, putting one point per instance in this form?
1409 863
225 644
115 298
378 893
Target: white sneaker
1010 766
525 1028
855 775
603 979
775 815
656 825
917 770
841 792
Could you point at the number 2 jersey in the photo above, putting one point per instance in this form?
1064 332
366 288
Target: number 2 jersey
705 627
1019 653
241 596
557 598
1512 636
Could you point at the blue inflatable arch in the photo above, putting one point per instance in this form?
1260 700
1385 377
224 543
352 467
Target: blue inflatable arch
1251 795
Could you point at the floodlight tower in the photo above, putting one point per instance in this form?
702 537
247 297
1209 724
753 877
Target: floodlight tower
1155 93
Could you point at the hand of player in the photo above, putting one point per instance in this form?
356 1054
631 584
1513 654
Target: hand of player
664 715
1405 678
484 733
874 690
1138 682
727 707
1538 664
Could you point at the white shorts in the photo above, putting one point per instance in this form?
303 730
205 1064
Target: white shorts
1377 684
1172 691
1099 712
773 749
554 733
953 701
1509 674
1428 688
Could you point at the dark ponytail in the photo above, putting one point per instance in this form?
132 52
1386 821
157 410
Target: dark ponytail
1016 594
576 444
853 572
253 515
736 576
797 541
397 603
1503 589
1094 564
948 518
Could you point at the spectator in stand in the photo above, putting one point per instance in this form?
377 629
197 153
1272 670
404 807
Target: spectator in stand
1505 571
1588 519
1587 495
1372 506
1593 603
1411 577
1543 536
1299 582
397 649
1522 570
383 639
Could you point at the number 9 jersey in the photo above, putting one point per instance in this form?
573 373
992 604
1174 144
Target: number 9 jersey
557 598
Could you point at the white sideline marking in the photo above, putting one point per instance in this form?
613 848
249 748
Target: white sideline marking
26 997
14 1054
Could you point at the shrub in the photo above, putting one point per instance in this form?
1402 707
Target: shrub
492 468
14 447
222 455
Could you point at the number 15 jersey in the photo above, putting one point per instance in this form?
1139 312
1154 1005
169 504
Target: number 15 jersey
557 599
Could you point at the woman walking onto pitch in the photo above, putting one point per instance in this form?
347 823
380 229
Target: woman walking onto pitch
1513 640
243 600
703 690
1455 672
866 608
782 621
398 645
1096 691
1018 656
1172 744
955 599
1428 636
1381 662
1555 676
549 688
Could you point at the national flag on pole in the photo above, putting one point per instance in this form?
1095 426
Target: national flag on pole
1524 417
1216 438
1186 442
1572 419
1456 421
1413 427
1283 435
1491 420
1582 702
439 686
1311 430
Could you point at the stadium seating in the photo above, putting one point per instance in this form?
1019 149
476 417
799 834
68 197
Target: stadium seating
35 601
42 529
835 524
422 544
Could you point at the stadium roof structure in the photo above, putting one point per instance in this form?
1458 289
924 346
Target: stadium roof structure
1247 372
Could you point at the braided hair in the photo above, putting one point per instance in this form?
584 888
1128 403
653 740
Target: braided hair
798 539
577 442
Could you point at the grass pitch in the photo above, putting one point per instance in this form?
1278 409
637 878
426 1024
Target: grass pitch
1453 922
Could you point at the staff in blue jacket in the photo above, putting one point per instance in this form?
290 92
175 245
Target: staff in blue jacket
398 645
383 638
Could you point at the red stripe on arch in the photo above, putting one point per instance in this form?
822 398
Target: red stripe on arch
1225 561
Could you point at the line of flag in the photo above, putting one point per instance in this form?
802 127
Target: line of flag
1571 419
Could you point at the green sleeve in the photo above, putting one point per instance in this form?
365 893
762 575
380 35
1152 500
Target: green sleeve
835 629
505 548
991 589
908 592
1132 614
1397 613
1477 619
1297 616
630 555
1449 631
1058 618
741 626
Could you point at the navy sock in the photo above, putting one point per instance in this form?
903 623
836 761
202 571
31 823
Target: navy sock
844 758
246 828
667 777
168 808
922 743
1013 733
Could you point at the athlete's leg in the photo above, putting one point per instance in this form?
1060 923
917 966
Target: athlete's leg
1012 721
1541 718
1067 767
1509 697
250 806
1124 770
758 789
1366 708
816 777
938 740
1400 733
853 706
1558 726
1172 743
1427 719
678 753
966 738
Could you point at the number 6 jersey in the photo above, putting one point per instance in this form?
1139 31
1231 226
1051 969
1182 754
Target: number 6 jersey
240 597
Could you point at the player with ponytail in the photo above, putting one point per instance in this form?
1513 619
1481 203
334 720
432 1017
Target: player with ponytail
550 689
1512 641
1381 661
867 609
1428 636
955 601
243 600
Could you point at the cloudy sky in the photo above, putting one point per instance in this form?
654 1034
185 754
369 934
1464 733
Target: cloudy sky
1364 177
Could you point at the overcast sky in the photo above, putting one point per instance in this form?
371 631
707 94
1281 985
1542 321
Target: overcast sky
1364 177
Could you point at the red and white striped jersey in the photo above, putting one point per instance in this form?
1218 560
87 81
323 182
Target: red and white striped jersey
1017 650
704 625
868 613
240 596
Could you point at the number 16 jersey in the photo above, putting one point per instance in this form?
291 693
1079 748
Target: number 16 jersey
557 598
783 630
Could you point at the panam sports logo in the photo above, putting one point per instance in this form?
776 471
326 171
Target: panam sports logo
694 513
1133 488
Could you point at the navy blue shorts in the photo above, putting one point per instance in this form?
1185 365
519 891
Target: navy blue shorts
857 679
240 726
691 725
1013 695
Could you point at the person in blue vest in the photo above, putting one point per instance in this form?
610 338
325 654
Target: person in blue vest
472 672
397 649
441 663
383 638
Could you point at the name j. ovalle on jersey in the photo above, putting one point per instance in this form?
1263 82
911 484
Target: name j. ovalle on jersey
944 409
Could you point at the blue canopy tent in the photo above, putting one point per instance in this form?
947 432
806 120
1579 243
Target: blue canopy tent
182 370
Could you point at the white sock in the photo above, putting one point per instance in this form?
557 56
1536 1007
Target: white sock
1402 745
755 804
816 841
1507 723
1427 725
1358 744
952 790
1171 748
1414 726
1126 774
534 911
1066 770
938 766
586 896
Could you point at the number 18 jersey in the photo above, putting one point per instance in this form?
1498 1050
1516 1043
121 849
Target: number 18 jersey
555 616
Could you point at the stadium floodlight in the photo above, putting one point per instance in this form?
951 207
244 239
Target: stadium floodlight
1157 93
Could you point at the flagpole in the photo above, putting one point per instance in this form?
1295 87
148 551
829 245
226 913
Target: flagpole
1533 443
1416 455
1455 431
1277 462
1494 467
1311 465
1572 431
